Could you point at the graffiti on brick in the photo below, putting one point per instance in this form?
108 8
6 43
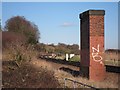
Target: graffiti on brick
95 54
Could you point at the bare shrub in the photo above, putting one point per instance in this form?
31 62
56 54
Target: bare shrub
19 52
21 25
28 76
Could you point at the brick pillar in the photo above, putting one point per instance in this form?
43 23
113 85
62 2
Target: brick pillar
92 44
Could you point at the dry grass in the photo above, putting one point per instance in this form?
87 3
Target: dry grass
18 52
27 76
59 75
111 80
20 69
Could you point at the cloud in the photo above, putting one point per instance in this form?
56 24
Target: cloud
67 24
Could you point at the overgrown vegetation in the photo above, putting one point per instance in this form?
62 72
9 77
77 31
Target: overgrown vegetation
19 53
20 38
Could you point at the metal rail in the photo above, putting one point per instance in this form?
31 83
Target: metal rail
74 84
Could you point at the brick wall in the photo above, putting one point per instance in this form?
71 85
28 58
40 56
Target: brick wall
97 69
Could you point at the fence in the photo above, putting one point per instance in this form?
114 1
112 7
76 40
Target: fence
75 84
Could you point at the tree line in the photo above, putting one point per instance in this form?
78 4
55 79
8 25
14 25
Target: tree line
19 29
60 48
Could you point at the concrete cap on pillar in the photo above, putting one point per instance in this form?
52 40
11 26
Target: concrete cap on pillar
92 12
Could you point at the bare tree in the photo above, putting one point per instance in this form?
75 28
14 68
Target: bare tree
20 25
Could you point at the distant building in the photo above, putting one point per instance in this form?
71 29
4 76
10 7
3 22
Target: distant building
68 56
72 55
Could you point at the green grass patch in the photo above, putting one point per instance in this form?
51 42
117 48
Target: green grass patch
112 62
76 58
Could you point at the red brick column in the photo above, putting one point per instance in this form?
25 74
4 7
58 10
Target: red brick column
92 44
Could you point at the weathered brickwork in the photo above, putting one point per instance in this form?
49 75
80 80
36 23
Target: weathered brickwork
97 68
96 25
92 44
